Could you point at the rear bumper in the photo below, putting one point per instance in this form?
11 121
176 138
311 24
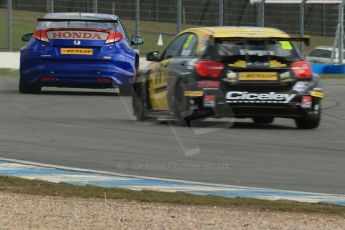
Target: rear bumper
76 74
266 111
215 103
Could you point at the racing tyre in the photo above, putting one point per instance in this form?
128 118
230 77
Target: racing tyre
181 106
309 121
125 90
263 120
138 106
27 88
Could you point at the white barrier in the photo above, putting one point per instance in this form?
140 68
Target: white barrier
10 60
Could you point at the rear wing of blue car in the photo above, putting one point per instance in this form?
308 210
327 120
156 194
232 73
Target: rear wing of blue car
77 20
305 40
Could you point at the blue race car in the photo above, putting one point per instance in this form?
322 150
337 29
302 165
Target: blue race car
79 50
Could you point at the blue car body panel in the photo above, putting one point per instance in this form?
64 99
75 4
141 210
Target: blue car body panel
116 61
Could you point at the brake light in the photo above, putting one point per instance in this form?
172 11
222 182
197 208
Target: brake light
209 68
41 35
302 69
113 37
48 79
104 80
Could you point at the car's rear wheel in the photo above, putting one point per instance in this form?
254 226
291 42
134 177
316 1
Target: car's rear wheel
125 90
263 120
28 88
309 121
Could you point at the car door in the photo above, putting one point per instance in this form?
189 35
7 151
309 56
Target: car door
159 74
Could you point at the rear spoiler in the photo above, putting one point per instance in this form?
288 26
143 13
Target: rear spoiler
76 20
306 40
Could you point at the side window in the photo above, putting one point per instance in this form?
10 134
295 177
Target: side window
174 48
321 53
327 54
316 53
189 46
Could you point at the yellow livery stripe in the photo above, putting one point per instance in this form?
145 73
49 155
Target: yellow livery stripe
239 64
193 93
276 64
317 94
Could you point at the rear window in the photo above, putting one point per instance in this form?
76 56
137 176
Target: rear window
257 48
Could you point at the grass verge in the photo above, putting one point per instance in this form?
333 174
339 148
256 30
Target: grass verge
25 22
42 188
9 72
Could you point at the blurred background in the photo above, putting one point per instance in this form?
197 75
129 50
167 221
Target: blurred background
150 18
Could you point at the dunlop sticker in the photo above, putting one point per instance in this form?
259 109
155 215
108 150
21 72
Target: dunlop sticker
257 76
79 51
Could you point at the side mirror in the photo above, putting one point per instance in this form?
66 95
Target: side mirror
27 37
152 56
136 40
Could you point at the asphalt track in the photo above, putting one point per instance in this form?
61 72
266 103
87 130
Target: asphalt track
95 130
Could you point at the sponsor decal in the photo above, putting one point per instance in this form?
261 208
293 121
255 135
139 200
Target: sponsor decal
285 77
286 45
79 35
307 102
209 101
231 76
317 107
239 64
301 86
204 42
77 51
258 76
276 64
246 97
256 52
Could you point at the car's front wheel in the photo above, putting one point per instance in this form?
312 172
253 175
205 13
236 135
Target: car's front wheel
28 88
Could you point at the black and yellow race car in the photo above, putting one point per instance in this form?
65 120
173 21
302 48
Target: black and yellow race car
243 72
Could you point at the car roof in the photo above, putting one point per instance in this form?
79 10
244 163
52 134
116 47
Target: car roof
328 48
324 48
80 15
240 31
233 32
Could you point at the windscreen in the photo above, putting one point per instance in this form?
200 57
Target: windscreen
252 49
